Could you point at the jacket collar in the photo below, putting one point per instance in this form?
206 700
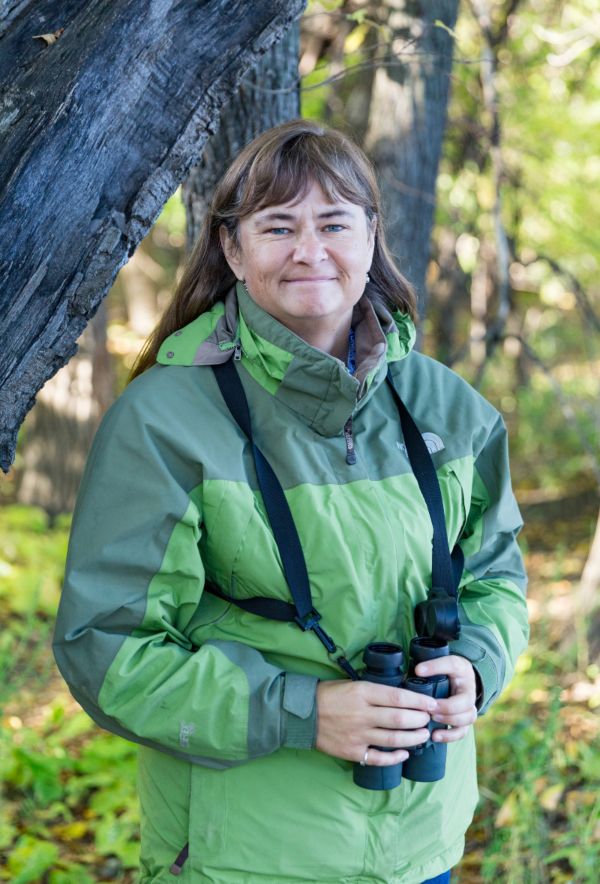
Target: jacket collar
315 385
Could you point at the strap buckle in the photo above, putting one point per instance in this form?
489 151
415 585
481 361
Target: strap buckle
311 621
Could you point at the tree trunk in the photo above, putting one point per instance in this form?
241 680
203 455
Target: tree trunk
100 126
269 94
406 125
59 430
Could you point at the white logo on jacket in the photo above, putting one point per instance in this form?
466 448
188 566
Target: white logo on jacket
186 729
432 441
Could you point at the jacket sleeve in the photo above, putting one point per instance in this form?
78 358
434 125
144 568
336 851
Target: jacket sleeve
134 579
492 606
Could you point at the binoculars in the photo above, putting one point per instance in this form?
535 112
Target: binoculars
384 664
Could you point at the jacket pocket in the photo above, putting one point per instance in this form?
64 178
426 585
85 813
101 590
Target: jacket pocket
164 789
208 821
456 498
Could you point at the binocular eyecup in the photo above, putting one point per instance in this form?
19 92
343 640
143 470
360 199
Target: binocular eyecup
384 664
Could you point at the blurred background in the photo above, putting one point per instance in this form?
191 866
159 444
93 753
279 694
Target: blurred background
510 299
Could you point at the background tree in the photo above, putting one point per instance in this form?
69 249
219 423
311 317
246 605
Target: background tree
267 95
391 63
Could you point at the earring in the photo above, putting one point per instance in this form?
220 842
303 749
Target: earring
368 277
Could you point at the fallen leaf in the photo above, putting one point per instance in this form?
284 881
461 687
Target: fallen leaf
507 813
578 799
550 797
49 39
70 831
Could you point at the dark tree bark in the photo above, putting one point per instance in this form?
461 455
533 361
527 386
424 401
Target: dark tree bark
99 129
406 125
269 94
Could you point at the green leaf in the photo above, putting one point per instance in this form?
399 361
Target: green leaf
30 858
358 16
440 24
75 874
7 829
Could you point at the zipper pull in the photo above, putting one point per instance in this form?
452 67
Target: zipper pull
350 452
177 866
237 353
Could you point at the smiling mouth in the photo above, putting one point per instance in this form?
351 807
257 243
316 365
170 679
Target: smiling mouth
312 279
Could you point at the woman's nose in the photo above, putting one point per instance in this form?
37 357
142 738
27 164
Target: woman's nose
309 249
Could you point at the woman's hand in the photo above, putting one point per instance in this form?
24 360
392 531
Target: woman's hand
355 715
458 711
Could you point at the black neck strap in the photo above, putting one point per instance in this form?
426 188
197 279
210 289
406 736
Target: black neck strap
444 576
442 573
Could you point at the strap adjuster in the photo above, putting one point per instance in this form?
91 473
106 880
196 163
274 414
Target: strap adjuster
311 621
308 621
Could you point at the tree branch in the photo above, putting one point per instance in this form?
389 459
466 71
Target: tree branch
583 301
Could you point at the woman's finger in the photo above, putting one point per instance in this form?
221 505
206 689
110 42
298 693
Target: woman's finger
397 739
450 736
398 719
458 720
377 758
453 666
394 698
456 704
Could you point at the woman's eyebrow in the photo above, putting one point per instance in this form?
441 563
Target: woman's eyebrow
290 216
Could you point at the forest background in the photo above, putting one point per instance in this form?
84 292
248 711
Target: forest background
513 305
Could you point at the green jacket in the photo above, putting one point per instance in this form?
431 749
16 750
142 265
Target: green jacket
223 701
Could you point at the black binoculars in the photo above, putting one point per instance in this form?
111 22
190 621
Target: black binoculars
385 665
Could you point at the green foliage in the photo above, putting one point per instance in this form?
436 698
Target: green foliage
314 96
172 215
69 791
548 80
540 778
30 858
547 91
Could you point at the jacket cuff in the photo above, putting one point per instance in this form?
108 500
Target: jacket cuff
489 679
299 711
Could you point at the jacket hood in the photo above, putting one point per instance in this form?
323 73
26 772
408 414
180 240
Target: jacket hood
313 383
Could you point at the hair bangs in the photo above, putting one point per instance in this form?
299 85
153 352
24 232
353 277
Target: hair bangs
285 177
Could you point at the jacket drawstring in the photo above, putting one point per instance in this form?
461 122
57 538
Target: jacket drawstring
350 452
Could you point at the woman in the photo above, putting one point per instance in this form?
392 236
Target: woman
248 728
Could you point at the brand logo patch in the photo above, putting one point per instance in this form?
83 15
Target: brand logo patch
432 441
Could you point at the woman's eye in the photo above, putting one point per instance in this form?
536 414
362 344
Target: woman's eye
279 230
334 228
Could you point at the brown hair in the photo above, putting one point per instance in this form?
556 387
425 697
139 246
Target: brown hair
279 167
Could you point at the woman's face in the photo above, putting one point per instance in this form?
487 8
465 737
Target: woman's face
305 263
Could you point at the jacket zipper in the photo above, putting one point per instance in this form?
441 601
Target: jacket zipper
237 353
350 452
179 863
